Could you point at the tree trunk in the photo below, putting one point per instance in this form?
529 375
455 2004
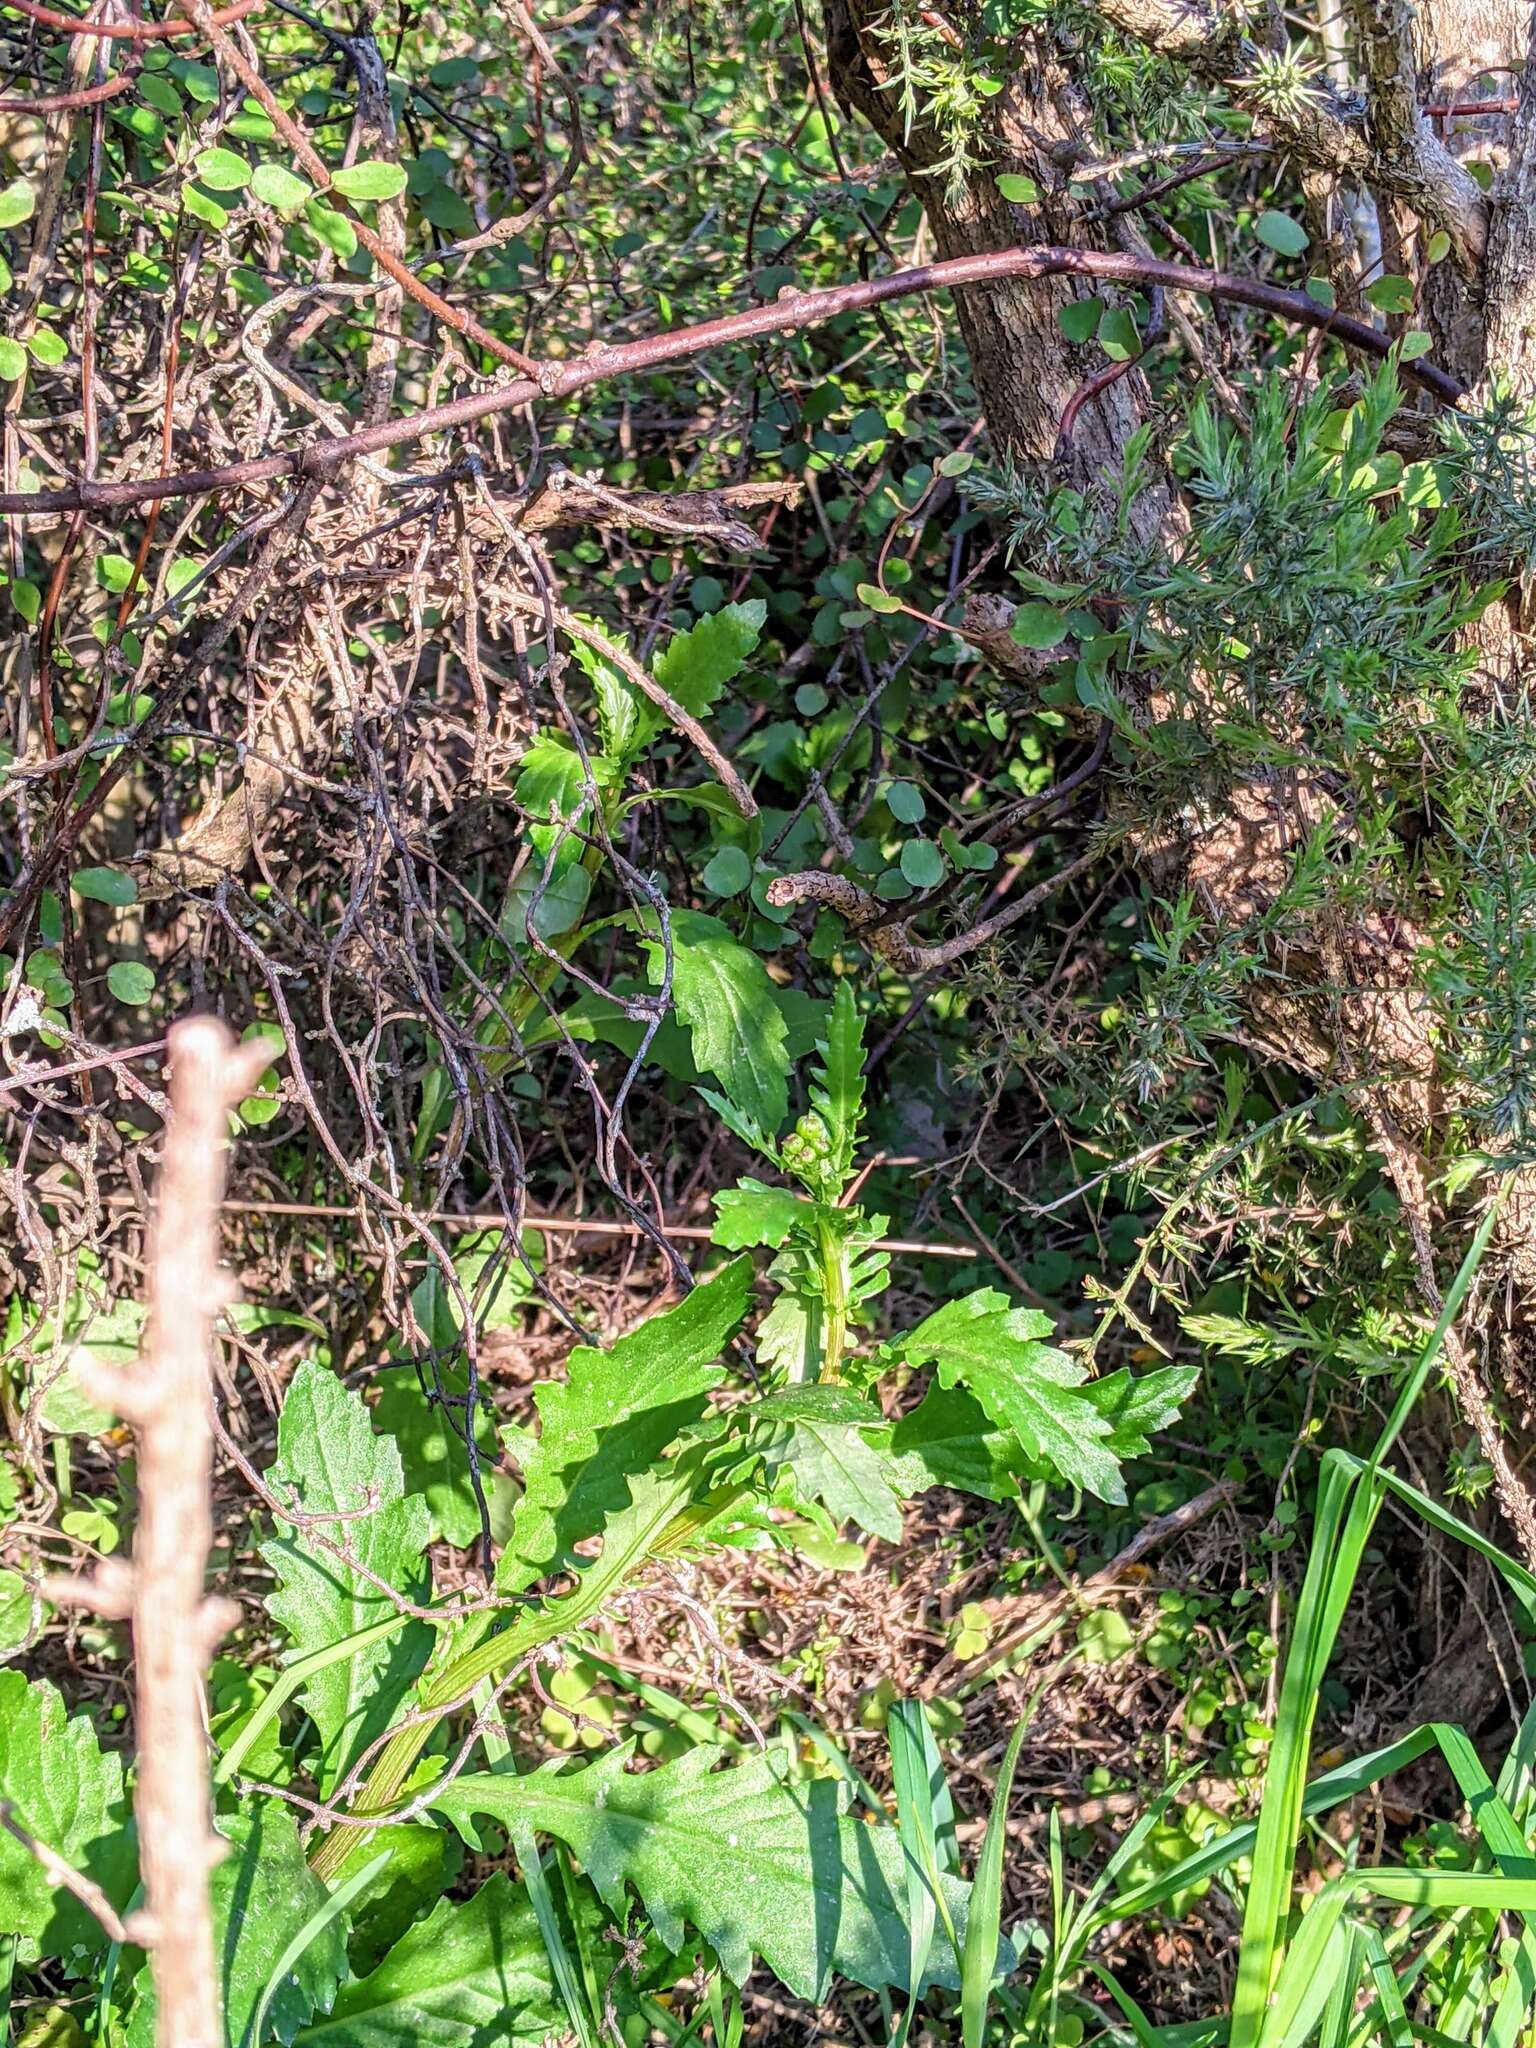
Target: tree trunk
1347 1005
1025 368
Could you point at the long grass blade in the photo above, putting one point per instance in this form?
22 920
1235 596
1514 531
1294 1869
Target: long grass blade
978 1963
915 1768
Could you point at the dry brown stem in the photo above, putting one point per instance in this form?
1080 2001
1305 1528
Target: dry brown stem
167 1397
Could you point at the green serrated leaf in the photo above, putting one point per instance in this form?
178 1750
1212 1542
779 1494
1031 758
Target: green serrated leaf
725 998
695 666
754 1213
757 1865
816 1403
68 1792
474 1970
553 884
263 1894
837 1085
992 1348
835 1463
434 1458
17 1608
948 1440
1137 1408
613 1415
328 1460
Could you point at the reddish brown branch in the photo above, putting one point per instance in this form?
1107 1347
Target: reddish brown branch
71 102
793 310
128 31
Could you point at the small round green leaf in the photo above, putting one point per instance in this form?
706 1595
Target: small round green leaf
258 1109
222 171
809 699
371 180
868 425
1080 321
276 186
204 206
906 803
1119 336
334 229
922 863
131 982
1391 294
105 885
1279 232
28 599
47 347
875 599
1038 625
728 871
13 359
158 91
1022 191
16 203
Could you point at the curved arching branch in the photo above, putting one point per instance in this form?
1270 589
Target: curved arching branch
792 310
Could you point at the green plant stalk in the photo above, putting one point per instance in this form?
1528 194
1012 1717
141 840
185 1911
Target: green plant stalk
834 1290
673 1525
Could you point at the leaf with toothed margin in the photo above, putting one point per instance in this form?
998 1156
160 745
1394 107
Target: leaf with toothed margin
756 1864
985 1344
264 1897
723 994
1137 1408
330 1461
67 1791
613 1415
474 1970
